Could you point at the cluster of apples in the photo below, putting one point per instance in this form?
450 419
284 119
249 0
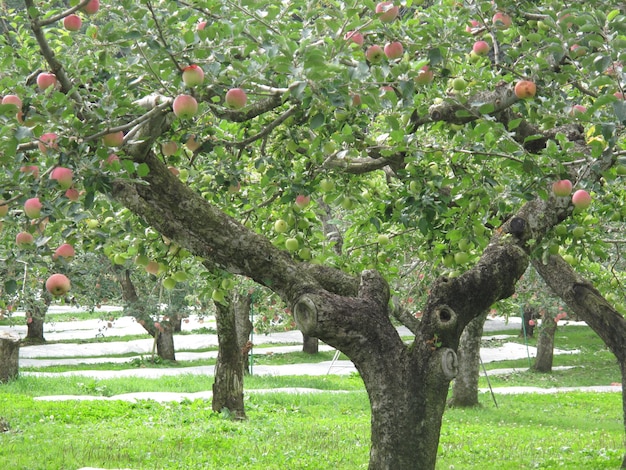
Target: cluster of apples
580 199
481 48
73 22
185 106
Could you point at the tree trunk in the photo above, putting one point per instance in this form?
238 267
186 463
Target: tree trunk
34 327
545 344
310 345
9 356
243 326
165 343
177 323
228 384
465 387
528 327
586 302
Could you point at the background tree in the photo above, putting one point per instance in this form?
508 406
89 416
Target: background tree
436 151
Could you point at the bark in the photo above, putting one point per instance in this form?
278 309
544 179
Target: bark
165 343
585 301
9 356
243 326
35 318
545 345
530 313
310 345
228 383
465 387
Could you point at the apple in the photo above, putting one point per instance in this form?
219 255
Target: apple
142 260
347 203
24 238
383 239
327 185
234 187
581 199
292 244
578 50
185 106
192 144
201 25
305 254
30 170
578 109
193 75
461 257
473 24
235 98
152 267
173 170
525 89
32 207
448 261
281 226
72 194
374 54
58 284
14 100
501 20
92 7
459 84
65 251
114 139
562 188
387 12
72 22
169 148
92 223
619 95
394 50
63 176
578 232
481 48
169 283
356 99
47 141
111 159
570 260
424 76
355 37
46 80
4 209
302 201
218 295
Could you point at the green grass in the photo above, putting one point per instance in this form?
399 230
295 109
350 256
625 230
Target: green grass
318 431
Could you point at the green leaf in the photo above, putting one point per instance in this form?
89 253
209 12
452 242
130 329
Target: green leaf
317 121
10 286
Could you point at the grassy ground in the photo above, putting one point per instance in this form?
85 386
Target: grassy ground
311 431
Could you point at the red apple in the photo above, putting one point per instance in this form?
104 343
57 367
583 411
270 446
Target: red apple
173 170
562 188
45 80
302 201
112 159
58 284
152 267
201 25
425 76
4 209
193 75
356 99
32 207
72 194
480 48
394 50
619 95
14 100
354 36
192 144
235 98
169 148
72 22
63 176
374 54
578 109
501 20
578 50
525 89
114 139
30 170
185 106
92 7
581 199
387 12
473 24
47 141
24 238
65 251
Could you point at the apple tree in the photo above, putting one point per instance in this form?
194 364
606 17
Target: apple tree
433 130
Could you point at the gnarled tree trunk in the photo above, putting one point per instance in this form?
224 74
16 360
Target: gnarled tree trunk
465 387
228 383
586 302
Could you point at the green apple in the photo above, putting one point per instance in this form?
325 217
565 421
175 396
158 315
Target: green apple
578 232
461 257
169 283
281 226
448 261
305 254
383 239
142 260
327 185
292 244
